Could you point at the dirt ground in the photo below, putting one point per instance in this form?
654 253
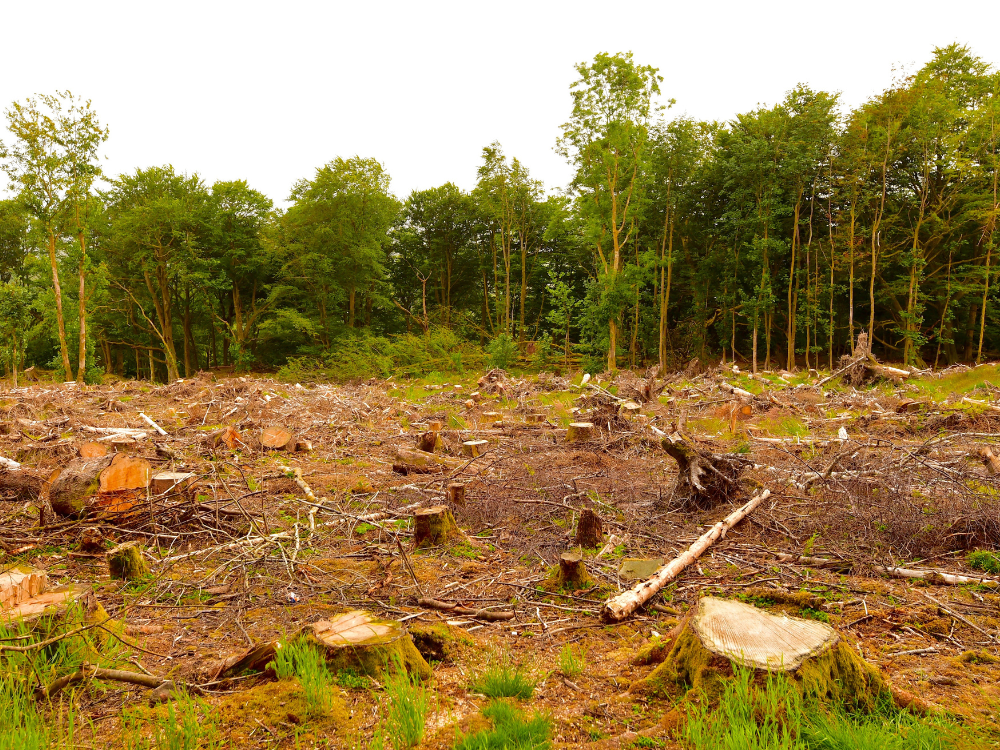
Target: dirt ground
872 479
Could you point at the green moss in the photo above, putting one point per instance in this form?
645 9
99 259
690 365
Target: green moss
375 658
983 560
439 641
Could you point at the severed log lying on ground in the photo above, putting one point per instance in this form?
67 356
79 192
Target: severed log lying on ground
621 606
457 609
22 482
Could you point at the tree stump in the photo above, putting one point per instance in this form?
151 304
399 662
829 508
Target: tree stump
579 432
492 416
455 492
536 418
355 640
704 479
721 633
434 526
126 562
629 410
20 584
174 482
227 437
278 439
430 442
589 529
474 448
573 572
91 540
435 425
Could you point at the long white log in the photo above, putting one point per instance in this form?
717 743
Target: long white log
152 424
627 602
130 431
7 463
954 579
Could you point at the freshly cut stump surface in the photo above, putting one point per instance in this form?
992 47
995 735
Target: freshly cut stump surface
278 439
755 638
721 635
356 640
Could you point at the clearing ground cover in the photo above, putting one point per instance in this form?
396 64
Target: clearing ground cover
295 571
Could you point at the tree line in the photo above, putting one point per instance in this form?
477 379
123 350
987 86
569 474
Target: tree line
772 239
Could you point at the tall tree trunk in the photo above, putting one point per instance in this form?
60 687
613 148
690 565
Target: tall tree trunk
792 280
60 321
82 369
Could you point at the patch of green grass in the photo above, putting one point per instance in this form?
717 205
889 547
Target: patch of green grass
815 614
772 715
511 729
406 713
186 725
503 679
980 559
785 426
301 660
960 382
465 550
571 662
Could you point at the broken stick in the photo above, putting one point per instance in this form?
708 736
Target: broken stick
456 609
621 606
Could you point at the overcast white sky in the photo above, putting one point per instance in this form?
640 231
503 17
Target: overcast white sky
268 91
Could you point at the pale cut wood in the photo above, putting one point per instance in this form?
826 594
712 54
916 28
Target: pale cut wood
729 388
754 638
351 628
278 439
19 585
172 481
935 576
990 459
125 473
7 463
93 450
474 448
152 424
578 432
56 599
621 606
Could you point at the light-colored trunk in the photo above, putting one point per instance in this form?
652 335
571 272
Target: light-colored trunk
60 321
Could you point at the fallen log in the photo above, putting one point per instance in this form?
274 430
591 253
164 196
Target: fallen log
457 609
97 673
623 605
841 566
22 482
936 576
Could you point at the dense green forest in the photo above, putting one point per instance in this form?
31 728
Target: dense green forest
773 239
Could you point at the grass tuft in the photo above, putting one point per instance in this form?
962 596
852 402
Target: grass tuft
571 662
504 680
301 660
511 730
406 714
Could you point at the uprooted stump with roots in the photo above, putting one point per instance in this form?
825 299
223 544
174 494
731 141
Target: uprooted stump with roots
704 479
721 635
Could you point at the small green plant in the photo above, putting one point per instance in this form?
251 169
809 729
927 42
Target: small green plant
988 562
351 680
187 725
406 714
815 614
501 352
502 679
511 730
571 663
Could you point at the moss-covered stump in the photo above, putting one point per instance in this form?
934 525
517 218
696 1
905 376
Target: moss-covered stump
572 572
356 640
720 634
126 562
435 526
579 432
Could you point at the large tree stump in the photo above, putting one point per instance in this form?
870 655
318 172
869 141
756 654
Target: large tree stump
579 432
174 482
356 640
589 529
126 562
720 634
704 479
278 439
434 526
93 450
